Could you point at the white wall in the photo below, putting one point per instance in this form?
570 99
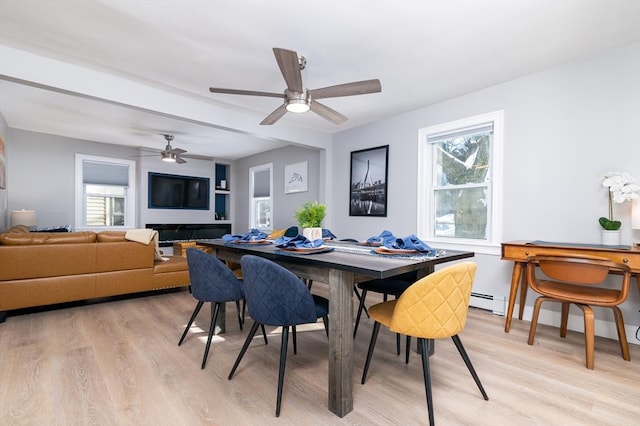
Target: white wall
564 128
41 176
284 205
4 219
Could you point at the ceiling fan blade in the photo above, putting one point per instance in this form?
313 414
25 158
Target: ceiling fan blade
245 92
275 115
290 68
180 160
327 113
177 151
347 89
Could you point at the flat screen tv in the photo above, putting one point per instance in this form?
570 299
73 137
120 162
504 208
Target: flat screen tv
178 192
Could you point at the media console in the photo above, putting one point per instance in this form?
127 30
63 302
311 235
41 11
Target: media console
178 232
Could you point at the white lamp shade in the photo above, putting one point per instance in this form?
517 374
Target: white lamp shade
635 213
23 217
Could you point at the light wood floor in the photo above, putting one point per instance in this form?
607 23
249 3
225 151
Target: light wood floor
118 363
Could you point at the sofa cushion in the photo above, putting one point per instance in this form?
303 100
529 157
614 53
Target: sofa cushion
111 236
172 264
20 262
17 229
122 256
36 238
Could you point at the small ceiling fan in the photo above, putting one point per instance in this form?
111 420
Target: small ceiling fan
297 99
170 154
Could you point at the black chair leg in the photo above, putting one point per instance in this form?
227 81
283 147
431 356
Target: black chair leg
193 317
467 361
212 327
264 333
372 345
325 321
355 290
360 308
398 343
240 319
283 361
427 378
295 339
407 350
247 341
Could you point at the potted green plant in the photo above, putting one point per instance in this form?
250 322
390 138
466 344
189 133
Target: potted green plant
310 217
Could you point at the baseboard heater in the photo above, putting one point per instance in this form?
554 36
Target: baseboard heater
489 302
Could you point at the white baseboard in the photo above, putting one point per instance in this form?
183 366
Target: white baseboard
495 304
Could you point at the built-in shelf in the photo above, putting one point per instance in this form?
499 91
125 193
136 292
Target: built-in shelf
222 192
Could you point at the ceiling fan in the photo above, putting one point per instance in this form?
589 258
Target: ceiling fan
297 99
170 154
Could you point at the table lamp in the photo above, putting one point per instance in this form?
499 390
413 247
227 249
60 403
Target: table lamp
635 217
23 217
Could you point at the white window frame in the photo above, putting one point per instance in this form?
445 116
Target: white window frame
253 200
130 198
425 202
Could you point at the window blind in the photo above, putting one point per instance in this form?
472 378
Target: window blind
261 183
105 173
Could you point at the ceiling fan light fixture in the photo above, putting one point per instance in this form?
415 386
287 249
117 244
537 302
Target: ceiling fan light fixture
297 106
168 157
296 102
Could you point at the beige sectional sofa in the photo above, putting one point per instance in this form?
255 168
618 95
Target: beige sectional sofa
47 268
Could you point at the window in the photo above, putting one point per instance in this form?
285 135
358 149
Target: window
260 202
459 189
105 197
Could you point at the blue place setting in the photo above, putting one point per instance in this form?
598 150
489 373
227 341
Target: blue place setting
390 244
327 234
301 245
385 237
298 241
254 236
412 242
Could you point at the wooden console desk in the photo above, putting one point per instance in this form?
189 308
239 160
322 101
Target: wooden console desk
180 249
519 251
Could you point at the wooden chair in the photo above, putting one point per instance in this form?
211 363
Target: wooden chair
578 280
434 307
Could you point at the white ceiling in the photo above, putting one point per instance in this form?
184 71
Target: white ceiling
423 52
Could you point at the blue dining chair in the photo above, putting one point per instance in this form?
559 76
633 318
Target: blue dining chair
211 281
276 297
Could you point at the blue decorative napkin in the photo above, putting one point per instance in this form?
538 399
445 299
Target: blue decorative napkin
385 237
253 235
411 242
299 241
327 234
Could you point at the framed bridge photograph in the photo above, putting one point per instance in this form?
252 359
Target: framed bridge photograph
368 192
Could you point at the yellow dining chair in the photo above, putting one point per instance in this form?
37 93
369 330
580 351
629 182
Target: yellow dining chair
578 280
434 307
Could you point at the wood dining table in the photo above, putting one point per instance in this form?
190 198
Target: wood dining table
341 266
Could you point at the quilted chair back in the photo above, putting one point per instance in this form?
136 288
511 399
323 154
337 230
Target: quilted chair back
212 280
274 295
435 306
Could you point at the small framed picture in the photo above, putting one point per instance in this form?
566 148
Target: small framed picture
296 177
368 192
